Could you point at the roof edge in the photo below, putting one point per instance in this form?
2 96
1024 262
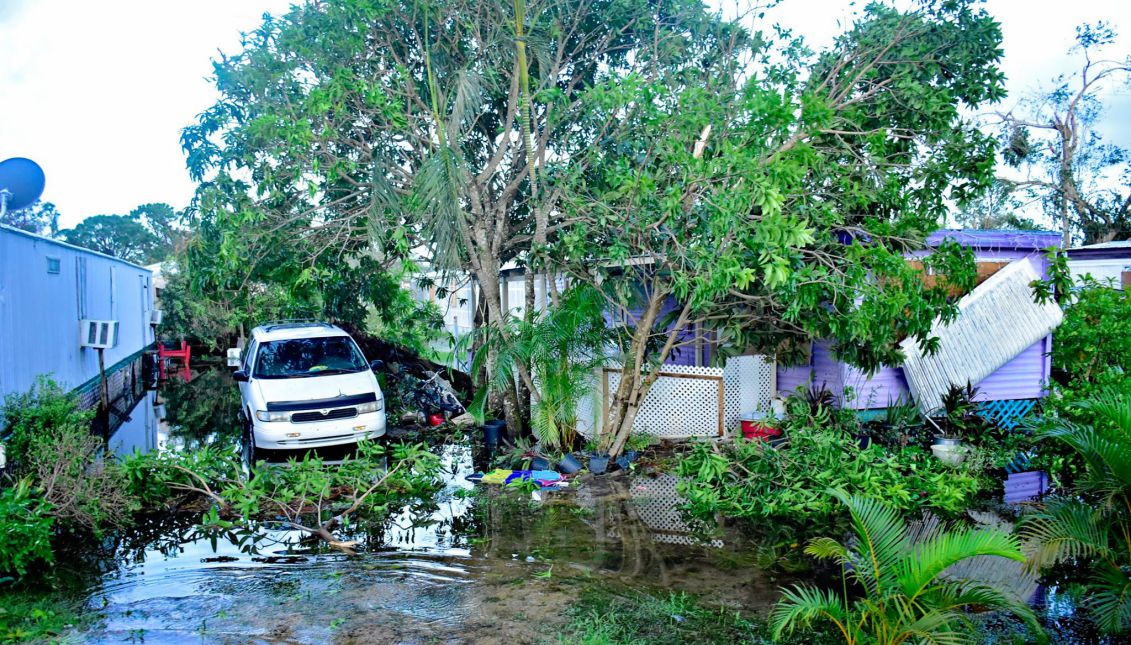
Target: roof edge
68 245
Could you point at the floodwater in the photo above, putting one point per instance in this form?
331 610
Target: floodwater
493 567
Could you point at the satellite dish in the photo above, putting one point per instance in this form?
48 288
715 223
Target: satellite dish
21 182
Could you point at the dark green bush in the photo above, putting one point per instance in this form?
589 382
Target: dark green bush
30 414
26 526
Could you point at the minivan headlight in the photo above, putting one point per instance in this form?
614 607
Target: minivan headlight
374 406
264 415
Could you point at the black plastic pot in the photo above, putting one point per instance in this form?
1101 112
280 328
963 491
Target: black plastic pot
598 464
569 465
864 440
492 432
539 463
626 459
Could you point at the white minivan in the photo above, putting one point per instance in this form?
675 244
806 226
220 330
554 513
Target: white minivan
307 385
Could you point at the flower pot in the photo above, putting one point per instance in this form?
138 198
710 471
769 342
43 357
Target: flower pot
569 465
598 464
863 440
626 459
540 463
436 419
952 455
754 426
492 431
947 441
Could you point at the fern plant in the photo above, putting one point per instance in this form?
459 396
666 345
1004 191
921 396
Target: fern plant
1092 524
905 596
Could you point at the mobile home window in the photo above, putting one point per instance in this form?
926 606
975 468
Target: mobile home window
53 266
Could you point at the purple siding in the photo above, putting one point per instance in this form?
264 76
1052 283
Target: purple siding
1024 377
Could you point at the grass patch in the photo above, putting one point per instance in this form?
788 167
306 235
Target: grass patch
606 617
32 618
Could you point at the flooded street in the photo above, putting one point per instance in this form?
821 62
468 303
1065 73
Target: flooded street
483 565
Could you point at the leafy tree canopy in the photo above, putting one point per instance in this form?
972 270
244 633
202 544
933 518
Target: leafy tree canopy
772 196
148 234
41 218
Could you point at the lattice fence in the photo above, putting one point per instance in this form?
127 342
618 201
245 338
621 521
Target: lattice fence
1006 414
684 402
687 401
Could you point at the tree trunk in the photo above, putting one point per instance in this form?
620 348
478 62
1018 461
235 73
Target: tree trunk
507 398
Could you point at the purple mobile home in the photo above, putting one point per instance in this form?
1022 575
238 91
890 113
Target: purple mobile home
1023 377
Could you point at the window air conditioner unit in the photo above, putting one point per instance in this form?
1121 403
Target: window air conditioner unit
98 334
156 316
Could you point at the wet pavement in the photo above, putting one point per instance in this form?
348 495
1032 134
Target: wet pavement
488 566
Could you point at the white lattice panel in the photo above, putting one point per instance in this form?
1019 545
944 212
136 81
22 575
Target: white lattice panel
750 383
684 402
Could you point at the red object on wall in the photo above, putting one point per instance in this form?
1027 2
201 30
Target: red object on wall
756 429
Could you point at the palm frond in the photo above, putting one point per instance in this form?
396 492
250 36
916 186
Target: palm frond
825 548
944 548
955 595
1111 406
439 189
882 539
801 606
1064 530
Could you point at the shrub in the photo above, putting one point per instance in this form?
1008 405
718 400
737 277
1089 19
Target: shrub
33 413
752 480
26 527
83 486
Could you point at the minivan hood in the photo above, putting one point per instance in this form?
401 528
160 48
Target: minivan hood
313 388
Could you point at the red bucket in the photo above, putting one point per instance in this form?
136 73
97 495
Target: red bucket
754 426
436 419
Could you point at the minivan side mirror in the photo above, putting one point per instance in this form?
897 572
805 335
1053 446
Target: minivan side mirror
239 376
376 365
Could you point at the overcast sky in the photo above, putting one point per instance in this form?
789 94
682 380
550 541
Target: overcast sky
97 91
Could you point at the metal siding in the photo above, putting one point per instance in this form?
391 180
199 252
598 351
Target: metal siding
1021 378
39 312
887 385
996 323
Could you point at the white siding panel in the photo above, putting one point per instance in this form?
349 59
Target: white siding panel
996 322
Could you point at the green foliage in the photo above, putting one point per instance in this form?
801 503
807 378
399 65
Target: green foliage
562 348
755 482
1090 525
905 598
605 617
35 619
41 218
38 411
1092 351
27 529
149 233
49 440
82 485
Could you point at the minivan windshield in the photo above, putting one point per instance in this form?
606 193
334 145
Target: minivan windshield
302 357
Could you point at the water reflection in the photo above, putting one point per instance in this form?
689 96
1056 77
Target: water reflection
470 564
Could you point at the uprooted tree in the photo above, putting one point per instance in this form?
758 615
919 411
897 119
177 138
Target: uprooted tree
767 197
388 129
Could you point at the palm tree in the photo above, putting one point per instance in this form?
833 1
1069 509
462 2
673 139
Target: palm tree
562 348
905 596
1093 523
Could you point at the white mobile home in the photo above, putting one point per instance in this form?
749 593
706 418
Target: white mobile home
1109 263
47 290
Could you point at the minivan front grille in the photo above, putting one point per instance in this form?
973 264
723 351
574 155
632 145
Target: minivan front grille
317 415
